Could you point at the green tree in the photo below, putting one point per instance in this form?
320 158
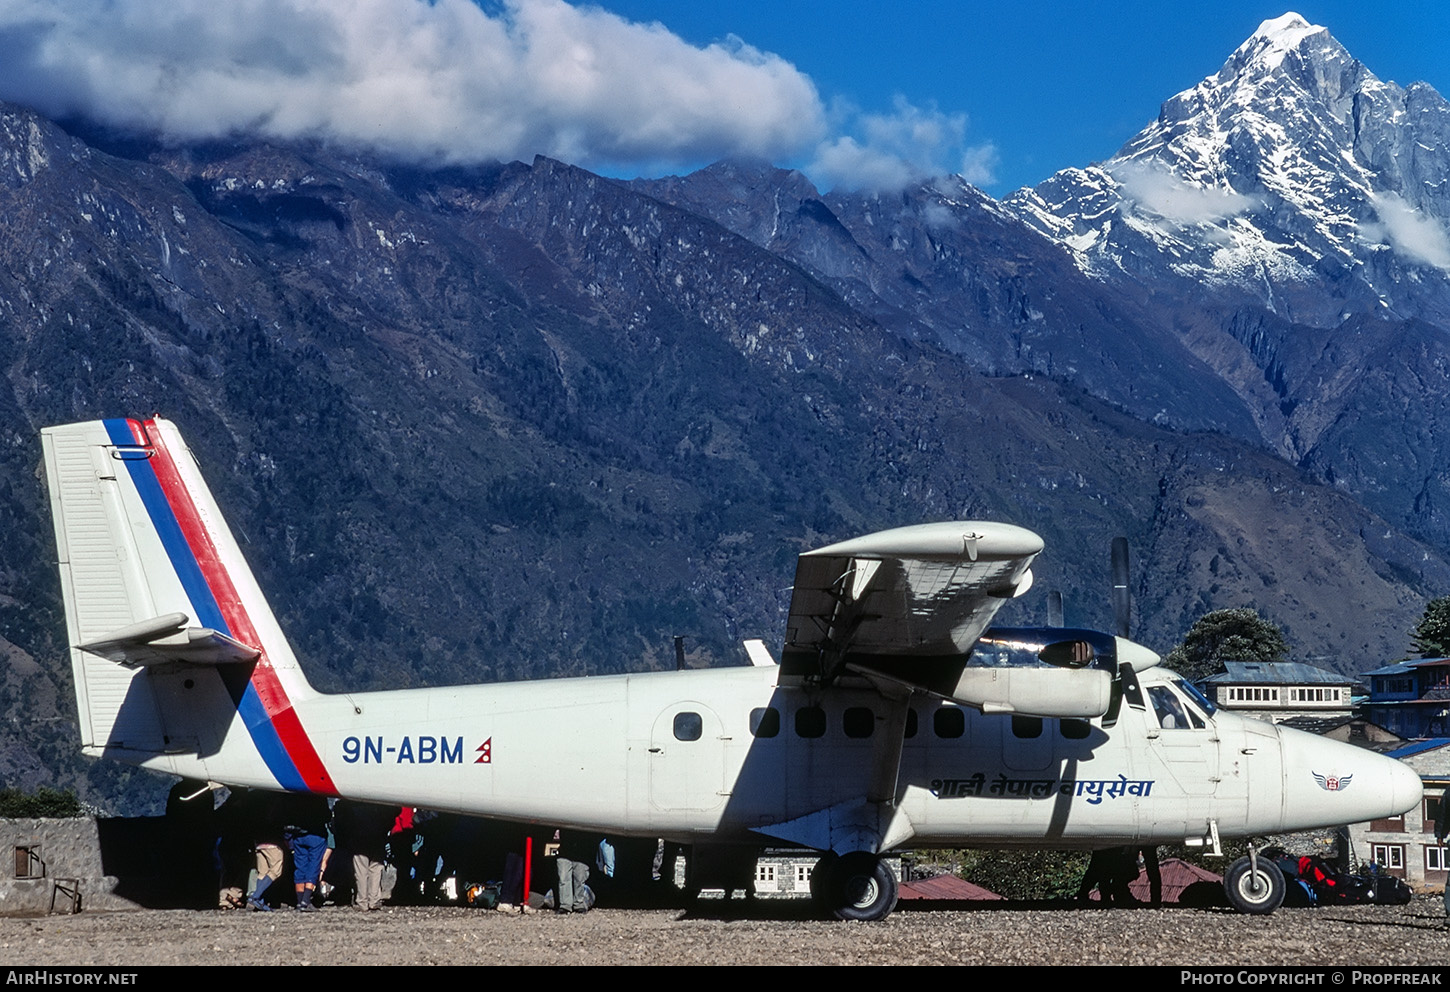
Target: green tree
1025 875
1226 635
1432 634
43 802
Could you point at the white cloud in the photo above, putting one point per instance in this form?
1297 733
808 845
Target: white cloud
440 81
979 165
1410 231
1154 189
889 151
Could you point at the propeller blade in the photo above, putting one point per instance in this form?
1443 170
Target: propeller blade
1122 601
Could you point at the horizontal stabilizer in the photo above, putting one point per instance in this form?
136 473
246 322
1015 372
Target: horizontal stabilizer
167 638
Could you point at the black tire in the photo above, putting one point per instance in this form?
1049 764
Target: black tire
1257 893
821 881
862 888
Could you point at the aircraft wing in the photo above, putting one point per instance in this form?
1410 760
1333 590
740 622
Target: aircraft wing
906 607
928 590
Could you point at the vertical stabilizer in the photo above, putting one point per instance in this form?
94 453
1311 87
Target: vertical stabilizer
179 663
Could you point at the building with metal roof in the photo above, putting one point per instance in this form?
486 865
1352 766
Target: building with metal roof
1279 690
1411 698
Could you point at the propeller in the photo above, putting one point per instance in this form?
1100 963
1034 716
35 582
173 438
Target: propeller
1122 598
1054 609
1122 625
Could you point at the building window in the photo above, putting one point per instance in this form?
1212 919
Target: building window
803 874
1391 856
1432 814
1435 858
27 861
765 873
1392 824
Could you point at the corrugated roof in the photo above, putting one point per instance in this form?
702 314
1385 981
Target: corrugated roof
1177 876
1397 668
1419 747
945 887
1277 673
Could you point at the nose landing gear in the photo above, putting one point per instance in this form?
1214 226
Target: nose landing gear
1254 885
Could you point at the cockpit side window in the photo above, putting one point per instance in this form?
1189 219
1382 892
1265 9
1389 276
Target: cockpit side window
1172 712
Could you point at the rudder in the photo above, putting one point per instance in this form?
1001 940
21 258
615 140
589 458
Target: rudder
179 663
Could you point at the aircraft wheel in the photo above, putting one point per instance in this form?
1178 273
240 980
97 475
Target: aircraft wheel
1256 892
821 880
862 888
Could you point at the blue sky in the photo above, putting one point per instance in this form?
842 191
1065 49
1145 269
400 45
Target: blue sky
1049 84
857 93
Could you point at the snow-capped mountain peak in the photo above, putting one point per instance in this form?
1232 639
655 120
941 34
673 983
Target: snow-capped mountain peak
1291 169
1274 39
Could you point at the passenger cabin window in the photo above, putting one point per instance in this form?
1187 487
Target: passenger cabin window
858 722
688 726
1076 730
1027 727
949 722
765 721
810 721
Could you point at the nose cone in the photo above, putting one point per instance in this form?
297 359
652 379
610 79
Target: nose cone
1328 783
1407 788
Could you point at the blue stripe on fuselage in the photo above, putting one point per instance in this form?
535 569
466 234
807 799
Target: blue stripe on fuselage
208 612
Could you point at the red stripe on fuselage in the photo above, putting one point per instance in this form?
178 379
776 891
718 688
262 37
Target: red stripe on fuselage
264 677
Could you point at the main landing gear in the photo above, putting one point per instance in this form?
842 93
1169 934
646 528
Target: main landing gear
856 886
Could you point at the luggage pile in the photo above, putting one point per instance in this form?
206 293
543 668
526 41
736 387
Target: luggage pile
1312 881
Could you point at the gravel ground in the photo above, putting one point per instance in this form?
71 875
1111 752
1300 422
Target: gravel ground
766 934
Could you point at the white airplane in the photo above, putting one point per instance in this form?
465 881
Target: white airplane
896 718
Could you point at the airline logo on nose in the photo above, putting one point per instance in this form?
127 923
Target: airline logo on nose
1332 783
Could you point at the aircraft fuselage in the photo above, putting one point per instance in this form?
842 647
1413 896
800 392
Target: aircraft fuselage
681 755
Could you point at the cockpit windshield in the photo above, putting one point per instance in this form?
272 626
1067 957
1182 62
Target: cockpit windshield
1191 691
1179 712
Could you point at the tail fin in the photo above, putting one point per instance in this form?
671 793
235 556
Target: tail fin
179 663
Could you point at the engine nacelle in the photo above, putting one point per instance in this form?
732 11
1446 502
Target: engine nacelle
1046 692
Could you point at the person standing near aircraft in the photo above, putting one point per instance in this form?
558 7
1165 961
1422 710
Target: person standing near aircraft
1155 874
260 814
362 831
573 894
307 818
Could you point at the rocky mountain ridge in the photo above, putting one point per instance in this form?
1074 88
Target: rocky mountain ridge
520 420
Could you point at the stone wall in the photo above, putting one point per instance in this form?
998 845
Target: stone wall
112 864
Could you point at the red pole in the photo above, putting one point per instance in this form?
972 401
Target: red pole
528 867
